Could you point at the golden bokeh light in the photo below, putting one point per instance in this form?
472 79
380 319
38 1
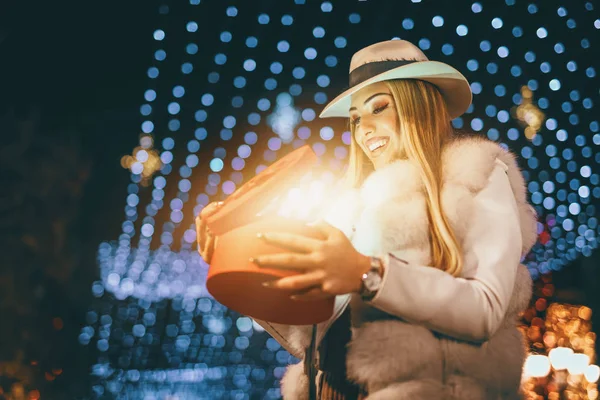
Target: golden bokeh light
143 161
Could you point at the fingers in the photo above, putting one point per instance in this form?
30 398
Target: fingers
296 243
202 232
209 248
286 261
311 295
210 209
298 282
308 286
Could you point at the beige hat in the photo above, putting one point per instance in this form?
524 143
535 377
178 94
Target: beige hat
399 59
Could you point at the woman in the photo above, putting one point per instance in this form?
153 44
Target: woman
422 251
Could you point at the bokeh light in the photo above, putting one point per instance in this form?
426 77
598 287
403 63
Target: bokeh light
218 110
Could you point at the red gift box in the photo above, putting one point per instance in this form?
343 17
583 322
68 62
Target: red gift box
236 282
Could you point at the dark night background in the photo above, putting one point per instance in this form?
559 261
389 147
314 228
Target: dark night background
72 78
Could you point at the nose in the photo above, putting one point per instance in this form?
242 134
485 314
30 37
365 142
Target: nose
366 127
362 135
367 134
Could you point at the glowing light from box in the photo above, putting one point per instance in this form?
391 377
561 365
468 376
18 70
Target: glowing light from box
308 200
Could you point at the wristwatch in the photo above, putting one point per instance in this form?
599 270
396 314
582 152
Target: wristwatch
372 279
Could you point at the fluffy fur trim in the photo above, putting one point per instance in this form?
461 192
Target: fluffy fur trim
397 180
299 337
294 384
522 292
527 214
382 227
469 161
496 364
467 165
424 389
343 211
465 388
417 354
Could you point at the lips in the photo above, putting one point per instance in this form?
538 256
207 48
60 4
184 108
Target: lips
373 141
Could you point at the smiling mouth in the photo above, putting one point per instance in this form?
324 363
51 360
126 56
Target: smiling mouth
377 147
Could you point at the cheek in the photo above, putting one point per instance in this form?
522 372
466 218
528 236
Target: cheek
390 122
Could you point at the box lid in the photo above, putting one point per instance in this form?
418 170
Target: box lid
242 206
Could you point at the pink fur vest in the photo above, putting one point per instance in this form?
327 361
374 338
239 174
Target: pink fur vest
395 359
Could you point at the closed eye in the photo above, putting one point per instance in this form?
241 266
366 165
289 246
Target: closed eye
380 109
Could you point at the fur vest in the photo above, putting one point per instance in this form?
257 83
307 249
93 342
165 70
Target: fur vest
422 364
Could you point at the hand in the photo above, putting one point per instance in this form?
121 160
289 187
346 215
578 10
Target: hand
206 240
332 266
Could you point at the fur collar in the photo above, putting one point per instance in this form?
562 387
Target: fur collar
467 164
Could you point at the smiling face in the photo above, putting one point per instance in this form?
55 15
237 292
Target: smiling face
375 123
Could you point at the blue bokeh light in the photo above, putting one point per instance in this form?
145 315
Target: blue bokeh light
224 90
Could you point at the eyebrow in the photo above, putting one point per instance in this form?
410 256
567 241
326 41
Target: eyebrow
371 98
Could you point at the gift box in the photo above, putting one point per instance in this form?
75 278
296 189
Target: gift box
236 282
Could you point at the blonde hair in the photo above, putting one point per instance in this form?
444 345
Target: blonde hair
424 129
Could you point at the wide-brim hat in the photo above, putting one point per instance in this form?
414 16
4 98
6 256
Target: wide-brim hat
399 59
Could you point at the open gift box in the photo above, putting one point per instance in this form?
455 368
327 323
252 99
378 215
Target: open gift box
236 282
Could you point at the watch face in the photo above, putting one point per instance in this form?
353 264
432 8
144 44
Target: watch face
372 281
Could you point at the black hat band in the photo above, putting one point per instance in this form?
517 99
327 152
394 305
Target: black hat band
369 70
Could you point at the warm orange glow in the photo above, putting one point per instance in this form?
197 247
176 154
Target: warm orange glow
565 333
538 322
530 116
541 304
585 313
57 323
307 201
548 290
34 395
550 340
144 160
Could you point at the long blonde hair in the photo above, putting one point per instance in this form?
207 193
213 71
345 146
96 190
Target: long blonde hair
424 129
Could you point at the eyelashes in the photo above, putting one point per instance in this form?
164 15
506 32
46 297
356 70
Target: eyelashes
376 111
380 109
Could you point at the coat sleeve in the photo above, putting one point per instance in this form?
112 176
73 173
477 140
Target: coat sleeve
473 306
